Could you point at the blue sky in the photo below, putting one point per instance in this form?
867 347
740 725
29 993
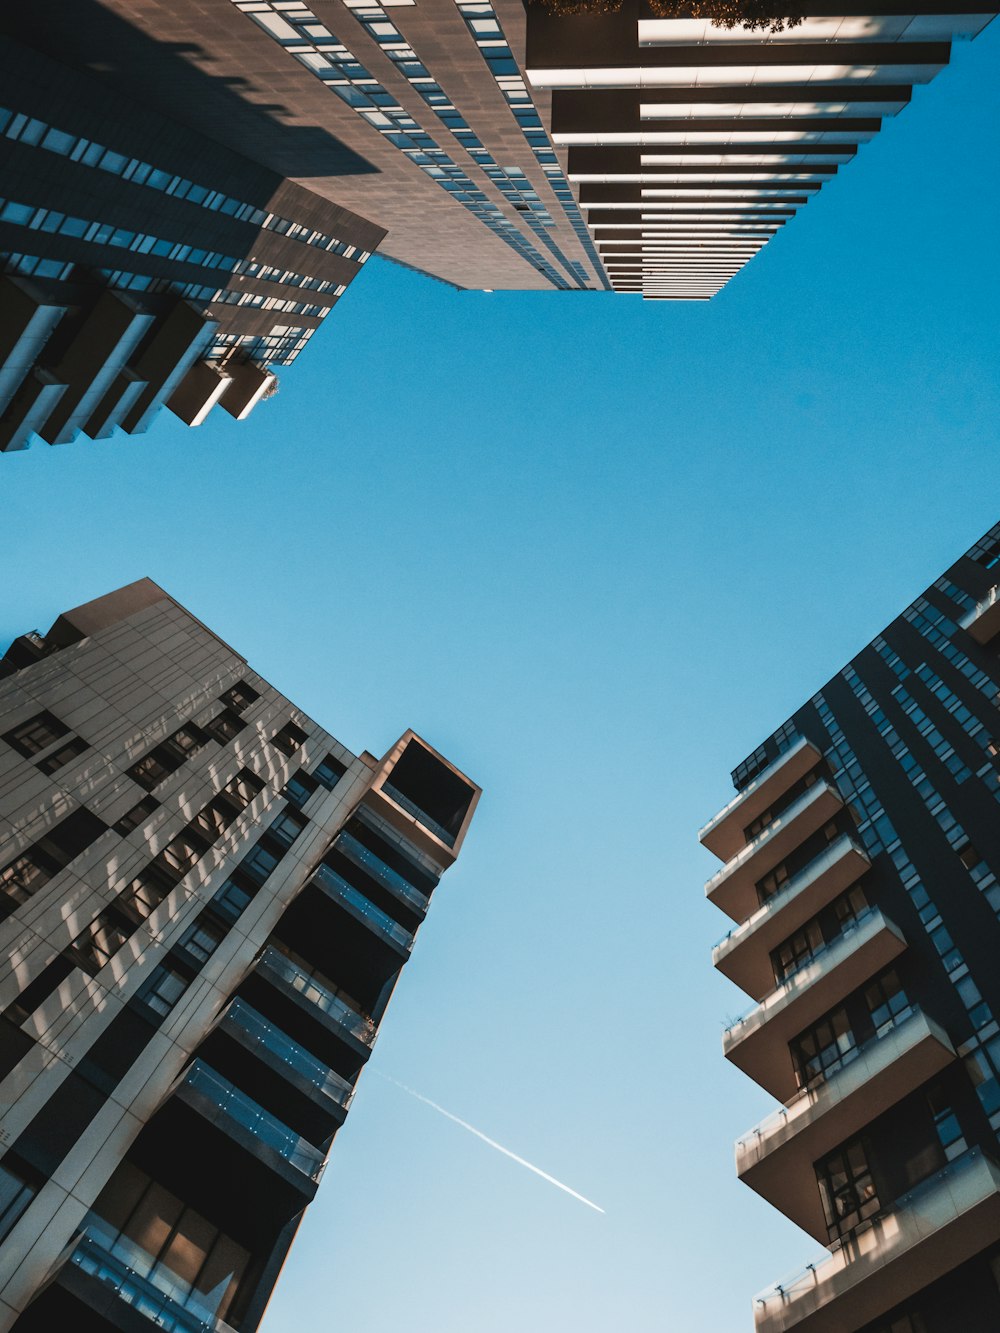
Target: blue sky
594 550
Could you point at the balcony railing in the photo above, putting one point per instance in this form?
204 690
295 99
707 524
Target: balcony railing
244 1111
732 887
374 865
723 834
776 1158
165 1300
380 921
743 953
932 1229
421 816
358 1025
289 1052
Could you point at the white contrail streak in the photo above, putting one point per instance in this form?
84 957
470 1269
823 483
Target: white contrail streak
492 1142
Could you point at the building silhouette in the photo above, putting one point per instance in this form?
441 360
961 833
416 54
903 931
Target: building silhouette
206 901
862 873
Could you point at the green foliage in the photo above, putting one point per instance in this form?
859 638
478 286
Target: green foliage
756 15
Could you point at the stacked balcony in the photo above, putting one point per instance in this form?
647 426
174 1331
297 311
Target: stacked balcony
776 1157
930 1231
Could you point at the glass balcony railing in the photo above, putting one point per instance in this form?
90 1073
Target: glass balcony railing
358 1025
244 1111
379 921
421 816
817 1088
297 1058
377 868
152 1291
816 956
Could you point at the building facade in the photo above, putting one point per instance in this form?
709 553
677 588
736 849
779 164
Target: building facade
206 901
862 872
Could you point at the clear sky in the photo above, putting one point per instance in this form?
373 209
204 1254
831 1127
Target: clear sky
594 550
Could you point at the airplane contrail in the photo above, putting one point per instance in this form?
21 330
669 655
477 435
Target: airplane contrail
492 1142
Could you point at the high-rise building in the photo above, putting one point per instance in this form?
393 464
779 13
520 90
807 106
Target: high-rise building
862 872
206 901
690 146
190 185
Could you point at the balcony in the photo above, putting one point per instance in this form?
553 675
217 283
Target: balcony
936 1227
744 955
983 621
280 1052
244 1120
776 1158
421 816
732 888
103 1274
363 909
723 835
374 866
758 1042
275 965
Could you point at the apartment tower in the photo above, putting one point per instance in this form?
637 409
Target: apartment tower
206 901
862 874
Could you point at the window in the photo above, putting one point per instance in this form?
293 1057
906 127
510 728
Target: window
167 757
287 827
24 876
233 898
240 696
823 1048
15 1195
102 939
847 1189
132 819
37 734
299 787
164 988
182 853
224 726
946 1125
797 951
147 891
289 738
771 883
202 940
64 755
887 1002
40 989
259 864
330 771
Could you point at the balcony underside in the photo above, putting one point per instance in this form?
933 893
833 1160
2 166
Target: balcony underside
776 1160
723 835
759 1045
744 956
940 1225
733 889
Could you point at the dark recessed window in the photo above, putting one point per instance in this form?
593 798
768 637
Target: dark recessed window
287 827
150 771
330 771
131 819
167 757
63 755
101 940
289 738
240 696
15 1195
259 864
164 988
202 940
225 726
299 787
847 1188
37 734
24 876
233 898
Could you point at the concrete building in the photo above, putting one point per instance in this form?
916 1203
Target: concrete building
690 146
206 901
862 873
